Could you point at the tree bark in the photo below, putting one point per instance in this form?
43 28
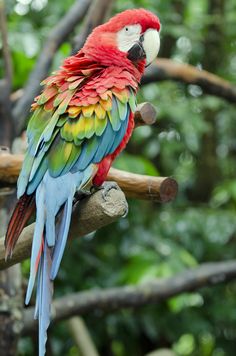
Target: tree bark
10 280
138 186
89 214
82 338
10 310
167 69
159 189
153 292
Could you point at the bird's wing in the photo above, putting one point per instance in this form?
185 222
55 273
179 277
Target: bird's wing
76 122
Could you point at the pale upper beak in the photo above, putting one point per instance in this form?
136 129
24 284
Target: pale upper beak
147 47
151 45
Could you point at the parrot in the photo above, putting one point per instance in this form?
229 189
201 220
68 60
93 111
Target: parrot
81 120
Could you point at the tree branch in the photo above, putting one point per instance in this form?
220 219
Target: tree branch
97 13
160 189
56 37
82 338
90 214
6 119
208 274
5 47
145 114
139 186
166 69
94 212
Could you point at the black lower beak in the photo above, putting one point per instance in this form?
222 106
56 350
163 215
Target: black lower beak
137 53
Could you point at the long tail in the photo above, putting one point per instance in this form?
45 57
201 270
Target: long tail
52 195
25 207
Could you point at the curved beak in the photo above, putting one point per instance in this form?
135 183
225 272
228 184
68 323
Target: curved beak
136 52
151 45
147 47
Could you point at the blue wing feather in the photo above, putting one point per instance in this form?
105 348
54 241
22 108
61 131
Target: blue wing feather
89 148
106 140
121 133
96 148
34 183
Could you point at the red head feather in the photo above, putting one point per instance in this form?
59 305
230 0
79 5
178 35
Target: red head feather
103 37
131 17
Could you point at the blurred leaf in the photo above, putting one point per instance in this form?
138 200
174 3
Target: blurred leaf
135 164
185 345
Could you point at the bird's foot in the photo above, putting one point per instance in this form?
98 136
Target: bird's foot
105 187
79 195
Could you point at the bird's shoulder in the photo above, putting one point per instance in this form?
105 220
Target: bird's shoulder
81 82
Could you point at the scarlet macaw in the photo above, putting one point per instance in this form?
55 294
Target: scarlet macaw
81 121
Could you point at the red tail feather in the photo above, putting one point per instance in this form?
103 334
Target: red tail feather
21 214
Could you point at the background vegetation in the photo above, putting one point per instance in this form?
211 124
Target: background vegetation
193 141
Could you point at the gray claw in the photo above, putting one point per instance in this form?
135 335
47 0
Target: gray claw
106 187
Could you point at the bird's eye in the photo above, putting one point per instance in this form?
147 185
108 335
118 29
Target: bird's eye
126 29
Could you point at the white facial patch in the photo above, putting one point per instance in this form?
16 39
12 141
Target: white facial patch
151 44
128 36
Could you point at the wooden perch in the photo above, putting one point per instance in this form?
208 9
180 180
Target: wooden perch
155 291
166 69
161 189
10 166
90 214
145 114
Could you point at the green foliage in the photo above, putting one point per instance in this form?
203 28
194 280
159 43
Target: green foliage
193 141
136 164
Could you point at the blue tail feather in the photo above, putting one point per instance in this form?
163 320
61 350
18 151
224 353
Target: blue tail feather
45 299
62 237
49 242
39 288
